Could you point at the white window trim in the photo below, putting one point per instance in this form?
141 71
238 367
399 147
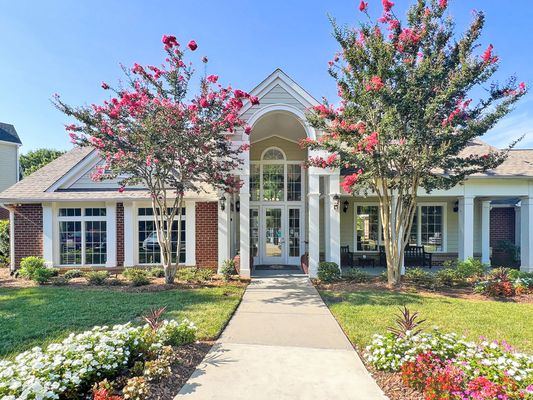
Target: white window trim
190 229
82 218
444 206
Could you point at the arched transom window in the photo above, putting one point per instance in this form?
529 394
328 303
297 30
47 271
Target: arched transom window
274 178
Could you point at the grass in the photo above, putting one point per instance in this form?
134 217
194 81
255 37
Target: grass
37 316
362 314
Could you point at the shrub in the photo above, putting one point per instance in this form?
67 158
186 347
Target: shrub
43 275
28 266
204 274
449 277
96 277
187 274
498 284
228 269
420 277
357 275
4 243
73 273
137 276
471 268
157 272
103 394
59 281
328 271
515 274
173 333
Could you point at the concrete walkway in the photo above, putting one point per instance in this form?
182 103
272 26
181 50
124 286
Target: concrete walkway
282 343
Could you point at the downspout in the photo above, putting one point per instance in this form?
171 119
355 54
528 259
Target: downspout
11 236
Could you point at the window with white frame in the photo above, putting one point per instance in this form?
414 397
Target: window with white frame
149 251
82 236
428 228
274 179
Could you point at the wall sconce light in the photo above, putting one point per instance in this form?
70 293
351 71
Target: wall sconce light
222 202
238 206
456 207
336 201
345 206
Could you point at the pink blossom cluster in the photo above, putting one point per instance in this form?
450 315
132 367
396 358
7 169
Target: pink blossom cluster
460 109
375 84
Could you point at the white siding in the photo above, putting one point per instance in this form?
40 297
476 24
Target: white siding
8 165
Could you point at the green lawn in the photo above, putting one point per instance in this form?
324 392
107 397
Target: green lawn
361 314
36 316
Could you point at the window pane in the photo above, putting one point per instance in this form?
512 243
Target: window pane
95 242
254 182
273 182
432 227
70 242
254 232
273 232
149 250
70 212
294 182
414 229
367 228
294 232
95 212
273 154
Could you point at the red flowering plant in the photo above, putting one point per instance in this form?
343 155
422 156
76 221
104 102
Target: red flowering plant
408 110
153 131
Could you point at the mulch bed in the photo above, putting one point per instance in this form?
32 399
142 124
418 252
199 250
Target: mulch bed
392 385
455 292
190 356
122 285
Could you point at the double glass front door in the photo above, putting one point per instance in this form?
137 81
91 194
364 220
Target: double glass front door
276 234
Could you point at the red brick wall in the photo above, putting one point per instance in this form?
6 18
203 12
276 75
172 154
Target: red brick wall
207 234
28 231
502 225
4 214
120 234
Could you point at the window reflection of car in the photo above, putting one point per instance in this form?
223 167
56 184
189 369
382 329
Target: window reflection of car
151 243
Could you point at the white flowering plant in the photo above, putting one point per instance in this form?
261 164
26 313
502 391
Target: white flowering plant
73 365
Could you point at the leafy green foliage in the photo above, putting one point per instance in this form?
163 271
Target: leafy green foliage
357 275
43 275
4 242
96 277
73 273
420 277
328 272
157 272
28 266
137 276
36 159
228 269
471 268
450 277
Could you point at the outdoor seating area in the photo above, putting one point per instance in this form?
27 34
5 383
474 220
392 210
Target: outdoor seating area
415 256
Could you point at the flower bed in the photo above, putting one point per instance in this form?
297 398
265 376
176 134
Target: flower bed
70 368
445 366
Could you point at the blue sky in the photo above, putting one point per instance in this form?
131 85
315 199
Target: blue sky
70 47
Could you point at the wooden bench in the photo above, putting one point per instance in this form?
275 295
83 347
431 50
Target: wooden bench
414 256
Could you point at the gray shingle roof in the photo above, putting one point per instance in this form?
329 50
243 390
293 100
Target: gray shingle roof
34 188
8 133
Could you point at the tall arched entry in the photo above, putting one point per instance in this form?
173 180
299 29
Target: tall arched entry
277 187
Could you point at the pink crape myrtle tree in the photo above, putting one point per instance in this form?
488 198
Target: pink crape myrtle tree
154 132
413 96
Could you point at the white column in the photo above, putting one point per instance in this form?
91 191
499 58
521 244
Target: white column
224 236
111 240
190 233
48 234
466 227
129 232
244 227
526 234
485 232
333 239
328 204
314 223
12 239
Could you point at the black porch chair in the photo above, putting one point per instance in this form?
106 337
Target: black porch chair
346 257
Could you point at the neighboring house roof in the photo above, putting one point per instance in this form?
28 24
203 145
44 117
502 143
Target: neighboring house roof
8 133
35 188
